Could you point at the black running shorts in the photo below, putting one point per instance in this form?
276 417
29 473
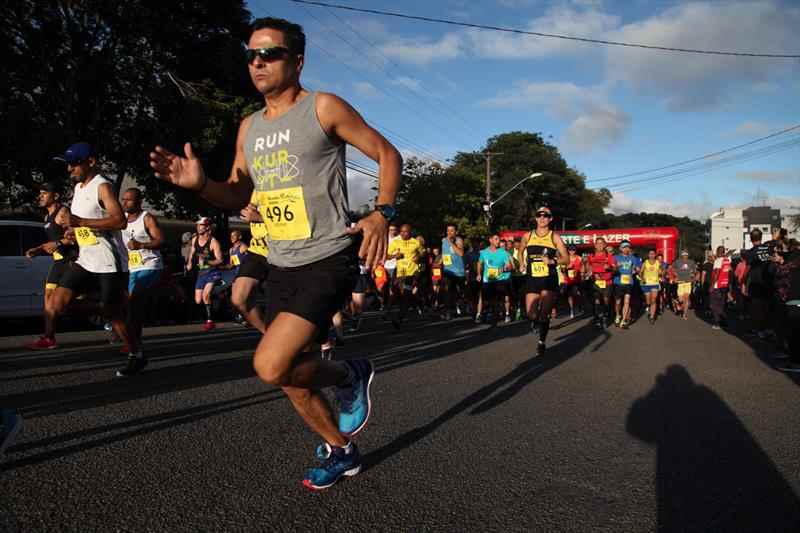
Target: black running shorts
537 285
254 266
57 271
495 289
113 286
314 292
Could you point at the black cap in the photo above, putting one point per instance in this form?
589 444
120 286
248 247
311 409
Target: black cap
49 186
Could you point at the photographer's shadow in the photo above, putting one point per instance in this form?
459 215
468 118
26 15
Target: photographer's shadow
711 475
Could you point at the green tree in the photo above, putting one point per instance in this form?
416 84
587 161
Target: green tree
109 73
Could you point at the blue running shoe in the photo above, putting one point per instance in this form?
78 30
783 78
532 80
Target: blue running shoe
354 401
10 426
336 464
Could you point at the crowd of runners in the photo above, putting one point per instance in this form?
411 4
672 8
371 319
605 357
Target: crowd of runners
318 268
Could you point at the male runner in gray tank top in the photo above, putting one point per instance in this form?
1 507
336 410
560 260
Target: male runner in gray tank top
290 159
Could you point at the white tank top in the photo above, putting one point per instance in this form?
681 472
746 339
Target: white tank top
142 259
101 251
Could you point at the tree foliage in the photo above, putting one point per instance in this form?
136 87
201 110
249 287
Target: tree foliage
109 73
433 196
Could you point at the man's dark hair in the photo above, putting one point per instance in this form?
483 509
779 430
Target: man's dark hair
136 191
292 33
755 235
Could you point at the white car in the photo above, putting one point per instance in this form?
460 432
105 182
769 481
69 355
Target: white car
22 280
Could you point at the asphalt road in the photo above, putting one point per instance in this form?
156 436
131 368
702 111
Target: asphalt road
672 427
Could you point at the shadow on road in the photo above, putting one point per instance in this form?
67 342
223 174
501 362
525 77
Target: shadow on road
132 428
482 400
711 475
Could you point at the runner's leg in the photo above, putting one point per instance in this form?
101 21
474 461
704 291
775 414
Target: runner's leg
283 359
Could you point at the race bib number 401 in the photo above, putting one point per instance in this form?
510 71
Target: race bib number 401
284 213
539 269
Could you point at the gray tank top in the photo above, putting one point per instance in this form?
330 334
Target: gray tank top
300 185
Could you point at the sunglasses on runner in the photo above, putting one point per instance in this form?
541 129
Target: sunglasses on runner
272 53
544 214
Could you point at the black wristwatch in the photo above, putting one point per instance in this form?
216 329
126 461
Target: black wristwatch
388 211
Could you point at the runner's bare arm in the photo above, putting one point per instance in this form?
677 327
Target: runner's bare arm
190 259
154 230
187 172
340 120
458 246
217 249
115 219
523 260
563 255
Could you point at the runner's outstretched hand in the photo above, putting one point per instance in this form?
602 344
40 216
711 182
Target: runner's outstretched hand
185 172
375 229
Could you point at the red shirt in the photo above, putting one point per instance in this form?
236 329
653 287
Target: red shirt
721 274
574 271
599 262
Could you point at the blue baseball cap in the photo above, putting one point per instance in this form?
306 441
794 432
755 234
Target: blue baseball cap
78 152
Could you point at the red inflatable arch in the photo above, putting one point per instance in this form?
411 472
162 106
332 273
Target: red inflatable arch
664 240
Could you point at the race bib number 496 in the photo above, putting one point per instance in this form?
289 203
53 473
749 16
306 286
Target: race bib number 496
284 214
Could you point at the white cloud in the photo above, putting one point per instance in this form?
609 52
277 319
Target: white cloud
691 82
405 81
594 122
622 203
770 176
749 128
562 20
365 88
423 52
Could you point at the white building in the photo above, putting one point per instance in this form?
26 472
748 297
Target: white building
727 228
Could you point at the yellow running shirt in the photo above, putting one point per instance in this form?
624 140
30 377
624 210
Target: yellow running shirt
408 264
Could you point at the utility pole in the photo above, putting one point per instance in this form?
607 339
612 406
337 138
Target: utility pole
488 155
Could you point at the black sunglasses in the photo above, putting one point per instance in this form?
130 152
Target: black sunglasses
543 214
272 53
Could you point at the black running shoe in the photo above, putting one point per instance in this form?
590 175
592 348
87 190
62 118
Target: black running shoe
134 366
540 348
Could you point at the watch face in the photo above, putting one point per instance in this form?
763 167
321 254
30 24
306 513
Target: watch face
387 211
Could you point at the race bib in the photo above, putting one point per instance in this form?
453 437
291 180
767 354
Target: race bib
493 273
258 242
539 269
600 283
447 260
651 278
378 273
134 258
85 236
57 256
625 279
684 288
235 260
570 273
284 213
437 272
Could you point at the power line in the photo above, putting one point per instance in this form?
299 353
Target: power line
547 35
377 49
699 170
392 95
693 160
323 49
383 71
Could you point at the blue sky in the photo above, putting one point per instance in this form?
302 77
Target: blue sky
436 89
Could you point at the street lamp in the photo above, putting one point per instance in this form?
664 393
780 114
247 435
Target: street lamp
586 226
488 206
